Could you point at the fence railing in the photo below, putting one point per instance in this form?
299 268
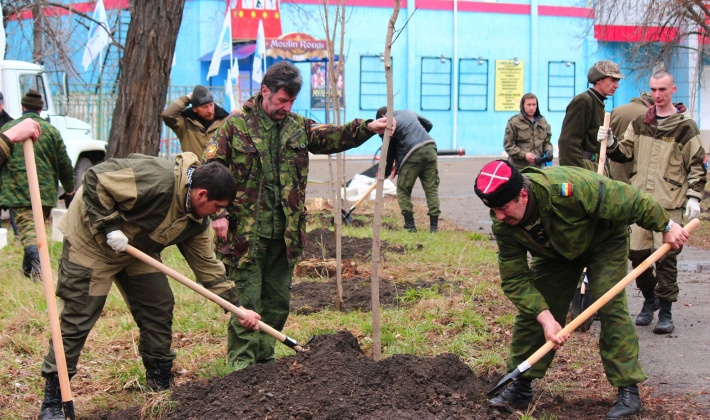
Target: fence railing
95 106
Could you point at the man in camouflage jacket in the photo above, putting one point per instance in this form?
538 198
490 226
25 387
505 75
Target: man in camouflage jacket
150 203
567 219
670 165
53 165
260 236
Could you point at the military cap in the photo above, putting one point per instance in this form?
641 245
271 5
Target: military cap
602 69
498 183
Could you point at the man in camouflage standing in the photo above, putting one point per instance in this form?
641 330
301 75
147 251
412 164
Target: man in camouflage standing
260 235
567 219
53 164
621 117
585 113
670 165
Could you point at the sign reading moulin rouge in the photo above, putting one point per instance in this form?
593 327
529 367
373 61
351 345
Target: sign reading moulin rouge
297 47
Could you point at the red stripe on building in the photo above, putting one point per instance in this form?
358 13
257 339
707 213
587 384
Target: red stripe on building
471 6
560 11
86 8
622 33
389 4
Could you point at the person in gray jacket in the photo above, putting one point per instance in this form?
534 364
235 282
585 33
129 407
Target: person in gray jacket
412 152
527 136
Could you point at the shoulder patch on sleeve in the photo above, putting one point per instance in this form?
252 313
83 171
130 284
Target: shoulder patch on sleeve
211 150
566 190
705 162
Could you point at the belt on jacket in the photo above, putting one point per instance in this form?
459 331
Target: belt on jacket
589 155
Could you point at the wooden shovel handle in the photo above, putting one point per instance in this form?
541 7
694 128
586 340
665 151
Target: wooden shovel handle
602 146
364 196
237 311
46 267
606 297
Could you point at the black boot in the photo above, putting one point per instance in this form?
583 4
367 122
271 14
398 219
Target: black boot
646 315
161 378
30 262
518 395
433 224
665 319
52 404
409 222
627 404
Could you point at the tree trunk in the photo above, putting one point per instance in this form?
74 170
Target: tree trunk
145 76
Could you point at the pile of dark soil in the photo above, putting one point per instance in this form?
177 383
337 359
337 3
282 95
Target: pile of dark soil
335 380
320 244
310 297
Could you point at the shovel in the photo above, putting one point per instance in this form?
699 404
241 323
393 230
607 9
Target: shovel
346 214
602 147
569 328
237 311
48 280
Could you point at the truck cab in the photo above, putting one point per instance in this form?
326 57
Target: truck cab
16 78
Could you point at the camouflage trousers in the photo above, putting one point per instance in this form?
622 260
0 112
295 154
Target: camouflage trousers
85 279
265 288
25 222
422 164
663 283
557 280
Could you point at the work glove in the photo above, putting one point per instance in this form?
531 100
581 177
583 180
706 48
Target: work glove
544 158
692 208
117 240
603 133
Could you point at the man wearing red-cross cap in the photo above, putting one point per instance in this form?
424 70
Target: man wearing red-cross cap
567 218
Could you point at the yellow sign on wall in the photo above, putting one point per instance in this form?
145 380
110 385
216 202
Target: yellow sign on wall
509 85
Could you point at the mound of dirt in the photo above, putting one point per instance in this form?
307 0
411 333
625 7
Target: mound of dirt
335 380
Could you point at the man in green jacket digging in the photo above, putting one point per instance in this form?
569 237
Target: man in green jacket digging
567 219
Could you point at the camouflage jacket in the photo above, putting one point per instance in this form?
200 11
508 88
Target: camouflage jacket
53 166
579 210
238 144
669 161
146 198
523 136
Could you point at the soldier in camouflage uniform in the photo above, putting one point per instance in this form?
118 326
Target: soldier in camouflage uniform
53 164
585 113
567 219
261 234
150 203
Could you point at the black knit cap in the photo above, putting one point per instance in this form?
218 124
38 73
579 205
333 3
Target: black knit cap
201 96
32 100
498 183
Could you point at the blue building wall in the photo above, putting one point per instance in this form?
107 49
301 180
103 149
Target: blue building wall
544 44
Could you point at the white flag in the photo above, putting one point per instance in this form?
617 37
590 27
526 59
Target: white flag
236 88
98 35
257 71
2 34
224 46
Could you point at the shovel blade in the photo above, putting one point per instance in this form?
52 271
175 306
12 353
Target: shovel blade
347 219
68 407
507 379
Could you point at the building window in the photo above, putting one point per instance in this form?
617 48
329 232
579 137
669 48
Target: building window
373 86
560 84
435 92
473 84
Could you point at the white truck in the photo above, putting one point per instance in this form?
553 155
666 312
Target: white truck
16 78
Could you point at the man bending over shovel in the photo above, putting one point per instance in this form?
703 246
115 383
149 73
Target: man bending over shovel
568 218
151 203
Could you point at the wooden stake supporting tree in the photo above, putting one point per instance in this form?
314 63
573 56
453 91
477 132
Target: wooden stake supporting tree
377 224
333 105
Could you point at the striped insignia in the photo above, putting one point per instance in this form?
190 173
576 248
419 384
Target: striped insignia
566 189
705 162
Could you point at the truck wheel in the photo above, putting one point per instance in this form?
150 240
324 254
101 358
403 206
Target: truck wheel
82 165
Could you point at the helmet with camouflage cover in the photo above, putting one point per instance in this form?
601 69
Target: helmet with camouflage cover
602 69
